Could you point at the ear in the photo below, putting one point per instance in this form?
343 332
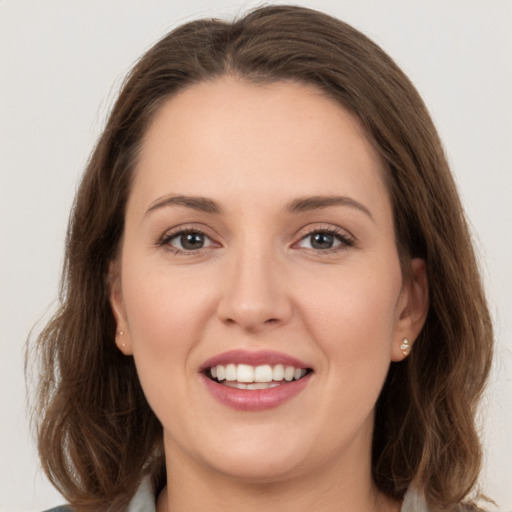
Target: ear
123 338
412 309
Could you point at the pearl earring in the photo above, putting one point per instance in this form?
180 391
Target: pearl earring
120 334
405 347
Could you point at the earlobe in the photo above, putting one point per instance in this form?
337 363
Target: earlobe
412 310
405 347
122 338
122 343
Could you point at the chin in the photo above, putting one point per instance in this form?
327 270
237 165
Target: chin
263 469
254 455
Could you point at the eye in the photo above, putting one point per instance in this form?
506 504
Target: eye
187 241
325 240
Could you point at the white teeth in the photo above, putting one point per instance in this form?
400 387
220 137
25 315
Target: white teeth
231 372
289 372
278 372
249 376
253 385
245 373
236 385
262 385
263 373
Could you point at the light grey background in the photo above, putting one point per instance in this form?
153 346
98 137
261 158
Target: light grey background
61 64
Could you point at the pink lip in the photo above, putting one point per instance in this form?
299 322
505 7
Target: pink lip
253 358
256 399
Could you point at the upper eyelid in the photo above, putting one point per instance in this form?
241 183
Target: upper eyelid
164 242
215 237
346 239
170 236
174 232
320 227
186 228
339 237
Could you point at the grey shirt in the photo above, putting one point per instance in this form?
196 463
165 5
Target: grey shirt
144 501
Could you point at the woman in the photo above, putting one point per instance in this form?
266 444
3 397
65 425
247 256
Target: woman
262 307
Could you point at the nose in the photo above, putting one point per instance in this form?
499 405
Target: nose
255 294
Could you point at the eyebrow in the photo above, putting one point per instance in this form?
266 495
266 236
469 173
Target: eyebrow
299 205
201 204
306 204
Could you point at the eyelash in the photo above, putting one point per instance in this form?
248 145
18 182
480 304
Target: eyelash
345 240
166 239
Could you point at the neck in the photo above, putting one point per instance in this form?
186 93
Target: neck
193 488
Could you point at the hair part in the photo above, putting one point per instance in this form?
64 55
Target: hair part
97 435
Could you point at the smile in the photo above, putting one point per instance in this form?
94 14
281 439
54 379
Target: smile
244 376
254 381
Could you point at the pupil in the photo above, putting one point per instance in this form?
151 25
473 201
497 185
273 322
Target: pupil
190 241
322 241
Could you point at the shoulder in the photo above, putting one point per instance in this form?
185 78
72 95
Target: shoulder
414 501
142 501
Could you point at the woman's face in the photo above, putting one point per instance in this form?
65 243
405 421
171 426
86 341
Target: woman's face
259 246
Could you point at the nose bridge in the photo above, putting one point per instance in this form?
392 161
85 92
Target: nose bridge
254 296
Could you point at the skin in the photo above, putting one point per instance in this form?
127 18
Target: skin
260 283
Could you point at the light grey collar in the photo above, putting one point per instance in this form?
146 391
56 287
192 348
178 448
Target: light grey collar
414 502
144 500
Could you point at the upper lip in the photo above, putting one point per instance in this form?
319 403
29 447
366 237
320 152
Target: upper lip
256 358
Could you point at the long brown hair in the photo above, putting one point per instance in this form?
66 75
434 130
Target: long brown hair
97 435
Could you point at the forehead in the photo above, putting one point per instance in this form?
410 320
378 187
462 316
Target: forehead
218 136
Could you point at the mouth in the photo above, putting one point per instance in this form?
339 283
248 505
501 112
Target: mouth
255 380
248 377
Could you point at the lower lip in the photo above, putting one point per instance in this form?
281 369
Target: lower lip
256 399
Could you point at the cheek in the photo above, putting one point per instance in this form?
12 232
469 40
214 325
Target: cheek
353 315
351 319
164 318
162 303
165 312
